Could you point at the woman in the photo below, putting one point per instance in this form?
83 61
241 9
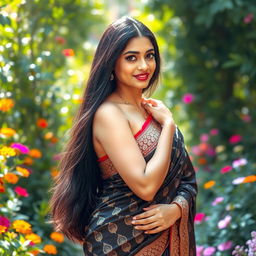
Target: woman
127 185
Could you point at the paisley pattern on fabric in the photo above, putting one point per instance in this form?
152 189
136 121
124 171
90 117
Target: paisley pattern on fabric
109 230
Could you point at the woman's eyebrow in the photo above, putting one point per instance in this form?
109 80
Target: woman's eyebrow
136 52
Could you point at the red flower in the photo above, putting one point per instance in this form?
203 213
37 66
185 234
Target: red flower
235 139
42 123
21 191
68 52
225 169
60 40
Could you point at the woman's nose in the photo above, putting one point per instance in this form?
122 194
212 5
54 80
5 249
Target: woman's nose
143 65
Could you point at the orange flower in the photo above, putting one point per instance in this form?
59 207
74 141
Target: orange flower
48 135
54 173
42 123
57 237
8 132
35 252
68 52
33 238
202 161
23 171
249 179
209 184
50 249
2 229
28 161
22 226
2 189
54 140
11 178
35 153
7 151
6 104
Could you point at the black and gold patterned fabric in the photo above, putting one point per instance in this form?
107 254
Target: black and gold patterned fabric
110 231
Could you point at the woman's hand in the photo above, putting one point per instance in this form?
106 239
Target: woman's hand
157 218
158 110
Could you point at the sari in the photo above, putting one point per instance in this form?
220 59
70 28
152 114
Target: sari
109 230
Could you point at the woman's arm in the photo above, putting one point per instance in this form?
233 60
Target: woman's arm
113 132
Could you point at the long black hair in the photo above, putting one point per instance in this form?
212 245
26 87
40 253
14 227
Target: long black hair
76 186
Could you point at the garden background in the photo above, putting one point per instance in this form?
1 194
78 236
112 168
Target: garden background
208 81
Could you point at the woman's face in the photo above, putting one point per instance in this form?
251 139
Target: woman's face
136 64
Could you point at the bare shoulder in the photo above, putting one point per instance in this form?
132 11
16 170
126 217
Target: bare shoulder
107 118
108 112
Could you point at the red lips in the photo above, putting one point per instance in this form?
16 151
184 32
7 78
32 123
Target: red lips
142 77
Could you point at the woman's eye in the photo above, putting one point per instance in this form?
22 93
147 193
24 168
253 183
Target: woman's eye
131 58
151 55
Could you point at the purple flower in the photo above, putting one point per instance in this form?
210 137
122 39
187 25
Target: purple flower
224 222
22 148
188 98
217 200
209 251
239 162
214 132
204 137
238 180
225 246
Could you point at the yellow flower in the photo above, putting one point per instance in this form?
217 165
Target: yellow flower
7 151
48 135
33 238
23 171
209 184
35 153
57 237
8 132
6 104
11 178
22 226
2 229
50 249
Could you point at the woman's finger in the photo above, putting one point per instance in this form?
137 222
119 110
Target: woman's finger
144 215
147 226
155 230
151 207
144 221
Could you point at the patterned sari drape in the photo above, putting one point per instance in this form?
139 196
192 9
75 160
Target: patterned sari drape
110 231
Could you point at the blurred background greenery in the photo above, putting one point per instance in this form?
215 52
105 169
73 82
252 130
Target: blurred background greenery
208 81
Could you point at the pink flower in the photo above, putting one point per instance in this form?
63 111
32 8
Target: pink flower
21 191
204 137
239 162
4 221
225 169
209 251
211 151
22 148
235 139
217 200
68 52
248 18
199 250
246 118
188 98
238 180
199 218
196 150
225 246
214 132
224 222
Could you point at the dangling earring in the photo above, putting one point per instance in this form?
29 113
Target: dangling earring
111 77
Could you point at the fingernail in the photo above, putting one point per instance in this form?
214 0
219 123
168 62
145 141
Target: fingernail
146 232
134 218
136 227
133 222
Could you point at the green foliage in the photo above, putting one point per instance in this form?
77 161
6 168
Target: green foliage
213 64
36 86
